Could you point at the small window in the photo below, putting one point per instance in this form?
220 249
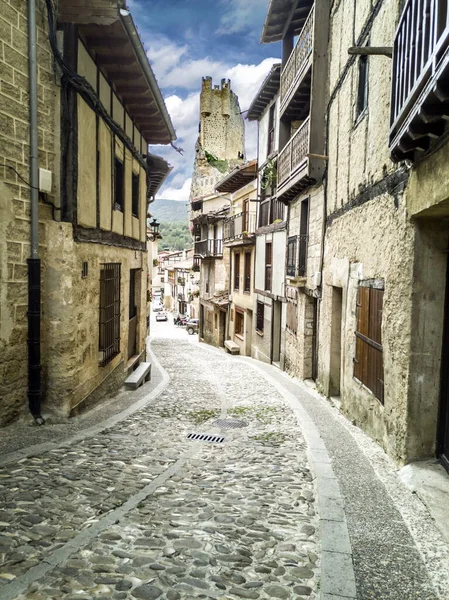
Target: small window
109 334
119 192
132 293
292 253
271 130
236 271
239 323
368 362
362 91
135 194
260 317
247 282
268 258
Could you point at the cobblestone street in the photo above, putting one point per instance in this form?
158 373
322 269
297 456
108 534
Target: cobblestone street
139 510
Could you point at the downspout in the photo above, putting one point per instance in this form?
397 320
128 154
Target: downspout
34 263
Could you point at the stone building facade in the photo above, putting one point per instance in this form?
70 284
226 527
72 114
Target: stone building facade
220 149
361 146
93 140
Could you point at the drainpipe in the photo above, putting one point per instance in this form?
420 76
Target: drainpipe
34 264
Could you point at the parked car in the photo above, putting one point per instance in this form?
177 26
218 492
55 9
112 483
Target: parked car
192 326
161 316
158 308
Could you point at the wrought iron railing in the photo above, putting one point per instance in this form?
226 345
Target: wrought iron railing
294 67
294 154
239 226
421 38
207 248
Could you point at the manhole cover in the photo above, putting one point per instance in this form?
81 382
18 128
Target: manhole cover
230 423
205 437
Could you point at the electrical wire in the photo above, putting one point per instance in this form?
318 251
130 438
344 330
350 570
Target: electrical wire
19 176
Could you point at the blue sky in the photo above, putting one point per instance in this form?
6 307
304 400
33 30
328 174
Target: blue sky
186 40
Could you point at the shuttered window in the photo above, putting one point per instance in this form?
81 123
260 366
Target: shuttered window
260 317
239 323
237 271
292 316
247 277
368 362
268 259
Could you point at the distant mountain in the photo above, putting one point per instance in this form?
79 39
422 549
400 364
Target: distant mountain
169 211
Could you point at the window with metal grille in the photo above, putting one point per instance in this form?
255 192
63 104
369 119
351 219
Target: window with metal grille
362 90
268 258
260 317
239 322
236 271
368 362
247 274
292 253
135 194
119 181
109 318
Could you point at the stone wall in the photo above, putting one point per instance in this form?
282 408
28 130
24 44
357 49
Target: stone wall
369 234
14 192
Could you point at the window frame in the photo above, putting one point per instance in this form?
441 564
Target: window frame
135 194
362 86
109 314
239 323
247 273
260 317
268 266
119 185
236 279
368 353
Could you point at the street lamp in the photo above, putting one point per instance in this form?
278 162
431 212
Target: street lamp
154 226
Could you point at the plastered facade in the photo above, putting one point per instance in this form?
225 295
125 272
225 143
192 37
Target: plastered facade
71 250
369 236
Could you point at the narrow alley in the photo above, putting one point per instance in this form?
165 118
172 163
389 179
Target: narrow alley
285 500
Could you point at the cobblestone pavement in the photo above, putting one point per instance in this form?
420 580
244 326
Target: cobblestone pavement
141 511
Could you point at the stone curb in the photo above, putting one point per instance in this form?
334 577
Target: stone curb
95 429
337 571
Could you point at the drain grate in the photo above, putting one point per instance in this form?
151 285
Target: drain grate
205 437
230 423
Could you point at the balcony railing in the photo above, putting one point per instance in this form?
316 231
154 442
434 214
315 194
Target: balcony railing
271 210
293 156
209 248
298 59
420 67
239 226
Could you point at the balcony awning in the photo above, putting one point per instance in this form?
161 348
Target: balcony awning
112 38
238 178
159 171
278 23
266 93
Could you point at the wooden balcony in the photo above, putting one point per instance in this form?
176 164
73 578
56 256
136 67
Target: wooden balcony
298 166
208 249
240 227
420 81
299 63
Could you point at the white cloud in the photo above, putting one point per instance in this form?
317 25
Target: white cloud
240 15
177 193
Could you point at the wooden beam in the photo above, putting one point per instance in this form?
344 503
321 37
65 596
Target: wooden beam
371 51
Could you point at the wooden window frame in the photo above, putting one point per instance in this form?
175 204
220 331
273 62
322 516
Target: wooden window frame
368 359
135 194
268 266
247 273
239 324
119 184
237 271
362 86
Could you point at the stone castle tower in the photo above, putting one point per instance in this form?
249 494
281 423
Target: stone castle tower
221 141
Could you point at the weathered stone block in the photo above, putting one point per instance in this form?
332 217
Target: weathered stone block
15 59
14 250
6 123
20 41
